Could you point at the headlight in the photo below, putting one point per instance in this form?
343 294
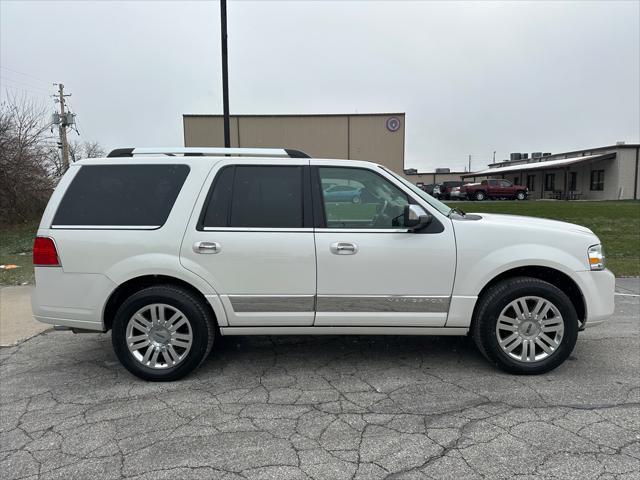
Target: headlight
596 257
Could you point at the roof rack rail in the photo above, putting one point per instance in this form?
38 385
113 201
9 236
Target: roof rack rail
211 151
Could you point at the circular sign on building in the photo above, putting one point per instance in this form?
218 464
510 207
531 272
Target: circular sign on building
393 124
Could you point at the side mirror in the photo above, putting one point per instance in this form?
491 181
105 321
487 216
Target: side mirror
415 217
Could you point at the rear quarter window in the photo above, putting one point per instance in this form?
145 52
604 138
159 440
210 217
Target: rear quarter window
120 196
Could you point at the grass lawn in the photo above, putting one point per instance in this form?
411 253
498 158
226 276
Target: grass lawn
16 242
617 224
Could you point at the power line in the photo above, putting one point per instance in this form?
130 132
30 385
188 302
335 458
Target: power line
18 82
25 74
32 92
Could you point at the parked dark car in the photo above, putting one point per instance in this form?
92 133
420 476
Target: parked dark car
494 188
443 190
428 188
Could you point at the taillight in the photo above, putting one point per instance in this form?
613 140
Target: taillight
44 253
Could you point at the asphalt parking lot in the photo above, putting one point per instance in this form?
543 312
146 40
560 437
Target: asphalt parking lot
325 408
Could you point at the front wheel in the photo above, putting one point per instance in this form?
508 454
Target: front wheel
521 196
162 333
525 326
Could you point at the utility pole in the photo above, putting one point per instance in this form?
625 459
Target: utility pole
494 156
62 128
225 73
469 162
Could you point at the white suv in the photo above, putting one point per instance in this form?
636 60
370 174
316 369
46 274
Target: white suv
168 248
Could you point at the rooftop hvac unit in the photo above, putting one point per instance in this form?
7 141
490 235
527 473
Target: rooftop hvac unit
524 156
411 171
515 156
546 154
536 155
443 170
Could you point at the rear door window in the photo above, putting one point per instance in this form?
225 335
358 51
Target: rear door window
134 196
252 196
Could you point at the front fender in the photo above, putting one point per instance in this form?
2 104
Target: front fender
477 269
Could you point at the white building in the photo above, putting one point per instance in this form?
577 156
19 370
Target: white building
603 173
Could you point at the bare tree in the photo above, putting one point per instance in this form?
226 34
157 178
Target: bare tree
30 160
93 150
27 175
79 150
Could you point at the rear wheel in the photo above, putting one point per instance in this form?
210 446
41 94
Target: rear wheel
525 326
480 196
162 333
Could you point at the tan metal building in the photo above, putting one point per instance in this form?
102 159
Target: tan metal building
377 137
602 173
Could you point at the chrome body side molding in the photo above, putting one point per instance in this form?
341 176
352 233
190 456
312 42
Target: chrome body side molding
382 303
272 303
340 303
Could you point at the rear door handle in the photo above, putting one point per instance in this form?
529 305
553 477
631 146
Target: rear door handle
206 247
343 248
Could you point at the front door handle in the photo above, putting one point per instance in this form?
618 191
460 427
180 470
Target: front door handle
344 248
207 247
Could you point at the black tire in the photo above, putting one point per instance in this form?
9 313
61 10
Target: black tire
200 319
480 195
496 298
521 195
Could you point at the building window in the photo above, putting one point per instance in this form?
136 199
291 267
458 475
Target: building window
597 179
549 182
531 183
573 181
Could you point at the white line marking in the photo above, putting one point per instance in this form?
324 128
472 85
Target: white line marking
627 294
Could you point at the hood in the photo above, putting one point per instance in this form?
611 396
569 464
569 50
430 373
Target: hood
519 220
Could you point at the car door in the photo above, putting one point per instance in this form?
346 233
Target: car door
251 238
372 271
492 187
506 188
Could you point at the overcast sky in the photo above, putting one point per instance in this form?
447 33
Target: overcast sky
472 77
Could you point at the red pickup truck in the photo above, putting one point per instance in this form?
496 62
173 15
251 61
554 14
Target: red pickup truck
493 188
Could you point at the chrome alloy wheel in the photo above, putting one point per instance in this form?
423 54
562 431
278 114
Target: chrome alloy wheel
159 336
530 329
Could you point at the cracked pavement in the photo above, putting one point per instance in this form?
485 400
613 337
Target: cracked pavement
324 408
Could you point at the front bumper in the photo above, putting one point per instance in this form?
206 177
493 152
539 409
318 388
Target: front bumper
598 289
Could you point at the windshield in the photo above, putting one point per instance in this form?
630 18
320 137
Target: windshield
437 204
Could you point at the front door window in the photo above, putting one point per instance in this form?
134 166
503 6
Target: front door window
359 198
